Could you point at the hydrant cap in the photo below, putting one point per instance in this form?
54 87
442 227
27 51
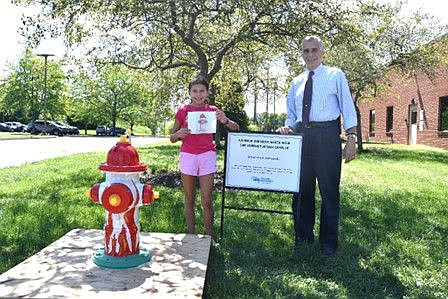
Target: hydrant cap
123 157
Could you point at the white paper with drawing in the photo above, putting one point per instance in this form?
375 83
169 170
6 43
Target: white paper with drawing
202 122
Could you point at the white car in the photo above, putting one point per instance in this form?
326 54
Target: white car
16 126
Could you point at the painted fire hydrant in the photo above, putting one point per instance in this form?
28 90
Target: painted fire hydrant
121 195
202 123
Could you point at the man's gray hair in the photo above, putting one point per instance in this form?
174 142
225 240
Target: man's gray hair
313 38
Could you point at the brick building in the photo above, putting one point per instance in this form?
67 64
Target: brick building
410 111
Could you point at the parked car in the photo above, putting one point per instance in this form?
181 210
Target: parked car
70 129
118 131
16 126
53 128
4 128
102 130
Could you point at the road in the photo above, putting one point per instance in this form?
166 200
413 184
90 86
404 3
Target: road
20 151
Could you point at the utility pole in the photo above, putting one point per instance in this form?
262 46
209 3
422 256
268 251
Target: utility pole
45 56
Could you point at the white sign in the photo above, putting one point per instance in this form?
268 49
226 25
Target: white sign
263 161
202 122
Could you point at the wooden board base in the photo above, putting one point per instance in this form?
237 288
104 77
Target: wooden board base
65 269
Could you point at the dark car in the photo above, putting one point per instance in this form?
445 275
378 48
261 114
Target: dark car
118 131
4 128
70 129
102 130
16 126
51 127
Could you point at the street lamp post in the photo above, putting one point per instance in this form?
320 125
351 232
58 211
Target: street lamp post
45 56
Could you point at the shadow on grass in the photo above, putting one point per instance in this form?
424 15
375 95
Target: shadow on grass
384 239
256 257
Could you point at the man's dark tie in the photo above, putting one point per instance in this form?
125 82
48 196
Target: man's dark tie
307 95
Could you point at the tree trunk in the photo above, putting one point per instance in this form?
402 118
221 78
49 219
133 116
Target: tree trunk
358 130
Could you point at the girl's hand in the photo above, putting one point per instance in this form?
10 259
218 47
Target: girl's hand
182 132
221 116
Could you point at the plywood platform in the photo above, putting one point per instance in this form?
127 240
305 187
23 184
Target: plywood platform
65 269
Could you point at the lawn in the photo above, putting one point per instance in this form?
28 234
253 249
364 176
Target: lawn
393 231
7 135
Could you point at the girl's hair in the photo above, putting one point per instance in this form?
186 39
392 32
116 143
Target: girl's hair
198 80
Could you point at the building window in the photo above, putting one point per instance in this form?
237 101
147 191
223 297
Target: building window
372 122
389 119
443 114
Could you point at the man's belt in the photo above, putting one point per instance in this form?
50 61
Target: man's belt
320 124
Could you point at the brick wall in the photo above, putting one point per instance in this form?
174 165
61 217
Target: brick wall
399 95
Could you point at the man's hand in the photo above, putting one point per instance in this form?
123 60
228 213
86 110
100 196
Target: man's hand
350 148
284 130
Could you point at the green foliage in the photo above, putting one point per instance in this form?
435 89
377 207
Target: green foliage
270 122
22 95
162 92
131 97
253 128
231 100
168 129
109 94
200 35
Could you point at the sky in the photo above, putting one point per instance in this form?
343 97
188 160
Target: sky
13 44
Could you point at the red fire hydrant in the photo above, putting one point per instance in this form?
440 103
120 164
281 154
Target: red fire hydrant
121 195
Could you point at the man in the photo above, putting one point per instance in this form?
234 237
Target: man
316 100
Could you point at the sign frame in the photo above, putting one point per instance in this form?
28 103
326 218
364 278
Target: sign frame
296 148
226 186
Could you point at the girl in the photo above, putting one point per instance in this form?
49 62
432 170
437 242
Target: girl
197 157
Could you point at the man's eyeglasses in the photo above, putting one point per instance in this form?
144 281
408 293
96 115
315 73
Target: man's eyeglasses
312 50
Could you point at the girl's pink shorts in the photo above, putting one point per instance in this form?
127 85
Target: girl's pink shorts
197 165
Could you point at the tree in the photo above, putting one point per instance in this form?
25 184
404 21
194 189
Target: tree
230 100
23 89
272 121
190 34
164 90
396 44
383 39
131 96
104 94
86 108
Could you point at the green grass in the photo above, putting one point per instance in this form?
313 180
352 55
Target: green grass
393 230
4 135
89 132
